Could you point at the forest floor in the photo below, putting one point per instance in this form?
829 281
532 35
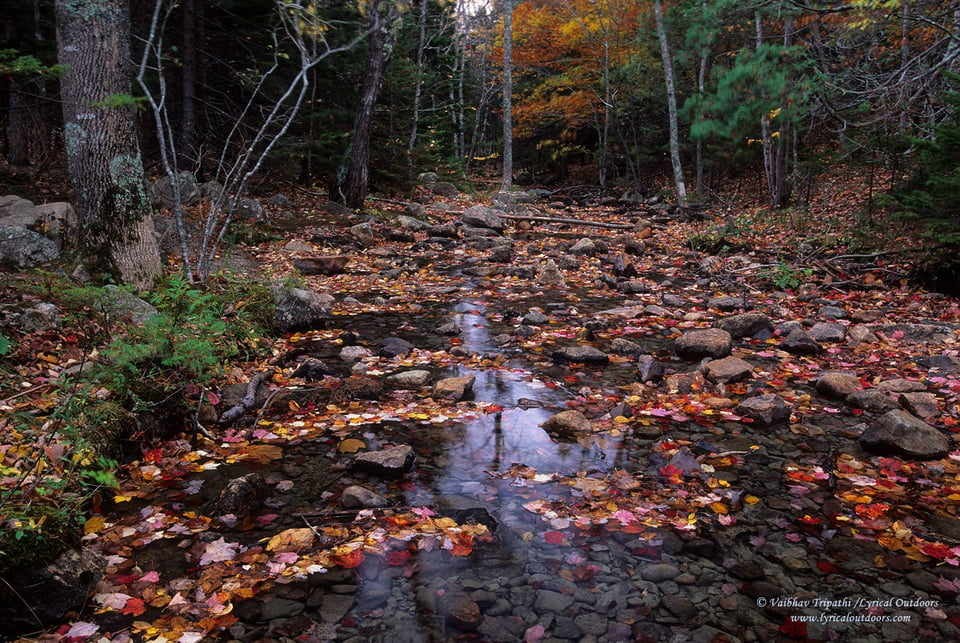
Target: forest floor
673 512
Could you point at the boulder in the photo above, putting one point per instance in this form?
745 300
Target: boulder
747 325
411 223
900 433
300 310
550 275
327 265
50 592
828 332
162 190
708 342
726 370
871 400
25 248
123 304
454 388
391 462
480 216
391 347
581 355
799 342
445 189
409 379
40 318
921 404
568 423
357 497
765 410
837 385
584 248
649 369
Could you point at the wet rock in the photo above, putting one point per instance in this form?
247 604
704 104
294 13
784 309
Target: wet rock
728 304
633 287
392 462
502 629
934 334
409 379
40 318
300 310
901 385
680 606
549 601
357 497
328 265
242 496
726 370
581 355
352 354
621 346
837 385
659 572
280 608
567 423
480 216
765 410
658 311
454 388
860 334
922 405
461 611
747 325
550 275
799 342
391 347
697 344
940 364
501 254
450 329
832 312
685 383
311 369
535 318
49 592
476 516
591 623
649 369
899 433
828 332
871 400
584 248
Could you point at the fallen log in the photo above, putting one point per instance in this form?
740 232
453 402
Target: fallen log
230 415
595 224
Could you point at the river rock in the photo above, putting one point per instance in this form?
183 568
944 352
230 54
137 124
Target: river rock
568 423
327 265
922 405
917 333
901 385
750 324
357 497
581 355
242 496
649 369
351 354
480 216
799 342
535 318
409 379
49 592
299 310
659 572
550 275
411 220
392 462
391 347
462 611
899 433
871 400
621 346
765 410
837 385
726 370
709 342
727 303
828 332
584 248
454 388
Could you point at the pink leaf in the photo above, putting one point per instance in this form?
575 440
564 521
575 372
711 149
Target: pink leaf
116 600
534 634
82 630
219 551
150 577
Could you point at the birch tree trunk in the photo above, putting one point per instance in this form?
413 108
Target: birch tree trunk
671 103
115 234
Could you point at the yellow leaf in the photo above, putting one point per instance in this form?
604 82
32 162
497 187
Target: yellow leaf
720 508
94 523
751 500
119 498
261 453
351 445
291 540
621 420
612 506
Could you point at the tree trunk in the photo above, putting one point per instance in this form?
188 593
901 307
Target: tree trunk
418 88
115 234
187 152
507 95
358 168
671 103
18 154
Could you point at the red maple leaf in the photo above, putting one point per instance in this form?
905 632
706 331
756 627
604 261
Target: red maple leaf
794 629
